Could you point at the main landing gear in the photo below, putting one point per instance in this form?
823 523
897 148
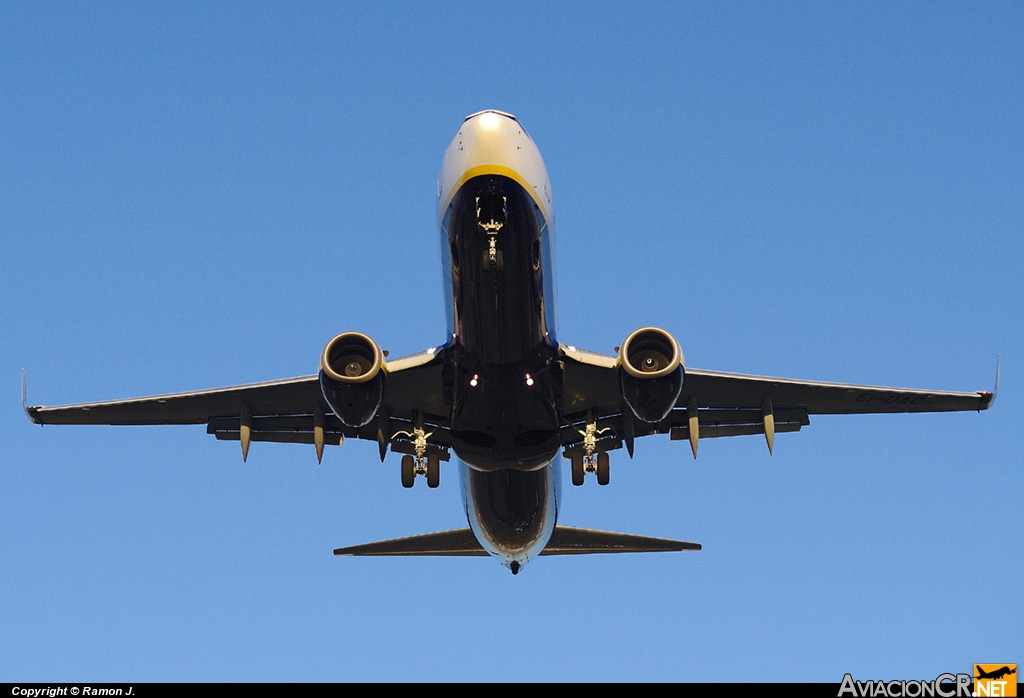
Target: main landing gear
586 460
581 465
413 466
421 463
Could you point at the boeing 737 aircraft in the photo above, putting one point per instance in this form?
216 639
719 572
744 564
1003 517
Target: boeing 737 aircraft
502 393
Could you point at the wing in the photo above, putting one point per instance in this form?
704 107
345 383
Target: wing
290 410
730 404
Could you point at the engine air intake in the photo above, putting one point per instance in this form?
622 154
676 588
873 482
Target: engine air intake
650 373
352 377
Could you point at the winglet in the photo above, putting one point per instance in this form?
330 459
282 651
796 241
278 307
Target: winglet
24 400
988 398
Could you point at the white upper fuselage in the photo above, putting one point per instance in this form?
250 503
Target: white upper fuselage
493 142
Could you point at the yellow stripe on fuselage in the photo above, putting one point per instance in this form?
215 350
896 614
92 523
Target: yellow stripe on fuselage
496 170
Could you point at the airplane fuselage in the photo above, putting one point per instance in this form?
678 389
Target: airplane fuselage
496 233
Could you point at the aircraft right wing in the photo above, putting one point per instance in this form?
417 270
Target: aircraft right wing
717 404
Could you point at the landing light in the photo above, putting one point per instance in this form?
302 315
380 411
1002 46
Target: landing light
490 121
473 381
529 379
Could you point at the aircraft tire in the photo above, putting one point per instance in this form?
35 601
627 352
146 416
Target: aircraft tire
408 471
433 471
577 469
602 469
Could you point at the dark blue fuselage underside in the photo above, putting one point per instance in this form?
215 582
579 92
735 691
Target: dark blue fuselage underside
505 381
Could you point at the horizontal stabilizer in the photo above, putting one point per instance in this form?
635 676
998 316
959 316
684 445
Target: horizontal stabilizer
459 541
565 540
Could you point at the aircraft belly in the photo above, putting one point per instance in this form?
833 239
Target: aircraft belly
512 513
496 236
499 422
506 379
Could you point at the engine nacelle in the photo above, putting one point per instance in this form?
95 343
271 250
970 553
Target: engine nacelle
651 373
353 376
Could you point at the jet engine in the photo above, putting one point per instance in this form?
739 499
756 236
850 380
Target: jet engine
352 377
650 373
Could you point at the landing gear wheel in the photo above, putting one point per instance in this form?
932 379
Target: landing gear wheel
602 469
577 469
433 471
408 471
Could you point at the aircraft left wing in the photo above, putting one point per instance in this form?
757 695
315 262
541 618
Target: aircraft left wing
287 396
291 410
716 404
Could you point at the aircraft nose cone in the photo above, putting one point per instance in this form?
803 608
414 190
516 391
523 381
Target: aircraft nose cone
489 145
489 121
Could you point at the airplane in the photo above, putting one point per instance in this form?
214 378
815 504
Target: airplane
502 393
995 674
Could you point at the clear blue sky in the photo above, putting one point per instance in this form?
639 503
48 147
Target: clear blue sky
202 195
